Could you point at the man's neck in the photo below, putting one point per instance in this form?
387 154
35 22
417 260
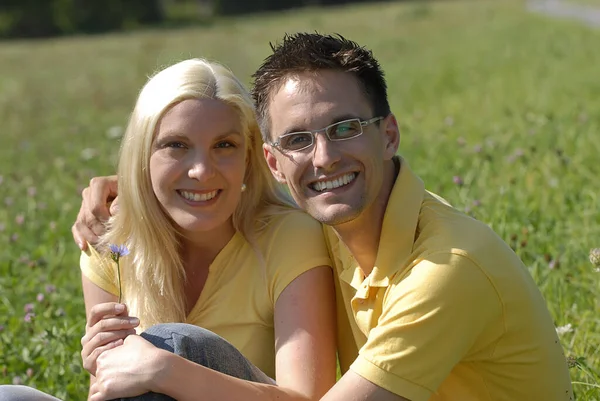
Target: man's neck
362 234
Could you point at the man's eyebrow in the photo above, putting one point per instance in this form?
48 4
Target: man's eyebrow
337 119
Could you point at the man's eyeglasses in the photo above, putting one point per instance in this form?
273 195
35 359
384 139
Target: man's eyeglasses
340 131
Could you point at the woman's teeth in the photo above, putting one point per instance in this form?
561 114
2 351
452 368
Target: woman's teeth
195 197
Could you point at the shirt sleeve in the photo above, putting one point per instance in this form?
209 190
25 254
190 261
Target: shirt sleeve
100 270
431 319
296 245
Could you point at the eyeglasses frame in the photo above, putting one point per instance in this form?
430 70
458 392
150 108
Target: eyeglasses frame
363 123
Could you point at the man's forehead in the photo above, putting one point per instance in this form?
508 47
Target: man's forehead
316 97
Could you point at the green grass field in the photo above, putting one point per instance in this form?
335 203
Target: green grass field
502 102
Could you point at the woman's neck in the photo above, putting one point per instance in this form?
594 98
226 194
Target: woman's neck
201 248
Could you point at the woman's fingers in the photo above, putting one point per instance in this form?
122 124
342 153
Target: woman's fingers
92 349
105 333
106 309
107 325
93 357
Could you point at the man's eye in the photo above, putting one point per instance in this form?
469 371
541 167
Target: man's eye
299 139
345 129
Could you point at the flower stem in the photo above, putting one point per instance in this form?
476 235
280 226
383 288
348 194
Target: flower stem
119 279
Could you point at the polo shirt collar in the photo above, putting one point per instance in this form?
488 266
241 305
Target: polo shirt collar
399 225
397 233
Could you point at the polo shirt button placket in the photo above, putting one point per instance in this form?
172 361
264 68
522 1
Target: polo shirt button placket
364 293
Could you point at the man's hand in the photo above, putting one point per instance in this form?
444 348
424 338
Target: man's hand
99 202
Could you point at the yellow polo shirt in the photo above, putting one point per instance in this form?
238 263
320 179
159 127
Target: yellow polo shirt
237 302
449 312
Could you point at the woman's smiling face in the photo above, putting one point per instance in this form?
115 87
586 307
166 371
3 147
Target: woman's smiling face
197 164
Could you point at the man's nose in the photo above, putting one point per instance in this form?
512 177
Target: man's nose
325 153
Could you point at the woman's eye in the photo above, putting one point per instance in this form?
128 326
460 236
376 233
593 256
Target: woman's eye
175 145
225 144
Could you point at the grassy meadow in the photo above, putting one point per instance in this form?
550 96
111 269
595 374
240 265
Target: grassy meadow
499 110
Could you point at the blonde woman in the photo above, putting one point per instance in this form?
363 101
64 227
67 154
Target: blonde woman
228 284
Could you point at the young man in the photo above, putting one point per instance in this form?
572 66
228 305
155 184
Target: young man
432 304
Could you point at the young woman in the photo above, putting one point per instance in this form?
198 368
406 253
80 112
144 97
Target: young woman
228 284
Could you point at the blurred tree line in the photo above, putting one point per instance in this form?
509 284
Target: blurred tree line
45 18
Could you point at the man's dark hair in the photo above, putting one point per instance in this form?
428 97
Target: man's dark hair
311 52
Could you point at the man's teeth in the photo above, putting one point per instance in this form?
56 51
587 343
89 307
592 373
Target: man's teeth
191 196
328 185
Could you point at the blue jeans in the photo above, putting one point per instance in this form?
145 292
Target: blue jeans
191 342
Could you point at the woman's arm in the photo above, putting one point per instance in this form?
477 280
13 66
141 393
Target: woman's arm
305 355
304 344
305 334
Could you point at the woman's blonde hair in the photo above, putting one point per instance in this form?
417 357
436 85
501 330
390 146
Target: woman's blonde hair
152 276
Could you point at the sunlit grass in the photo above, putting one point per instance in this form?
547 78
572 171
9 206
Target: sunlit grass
505 100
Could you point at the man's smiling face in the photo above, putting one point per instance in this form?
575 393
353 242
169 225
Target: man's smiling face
333 181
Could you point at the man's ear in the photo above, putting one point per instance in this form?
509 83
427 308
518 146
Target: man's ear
269 153
391 136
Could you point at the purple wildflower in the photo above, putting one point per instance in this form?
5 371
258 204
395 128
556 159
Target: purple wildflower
20 219
29 372
40 297
28 307
29 317
117 251
458 180
50 288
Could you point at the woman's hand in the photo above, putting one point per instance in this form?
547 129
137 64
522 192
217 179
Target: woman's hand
108 325
127 371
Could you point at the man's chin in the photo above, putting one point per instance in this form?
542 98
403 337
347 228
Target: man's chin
333 215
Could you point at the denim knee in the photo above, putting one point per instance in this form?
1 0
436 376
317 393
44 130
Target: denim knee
188 341
23 393
205 348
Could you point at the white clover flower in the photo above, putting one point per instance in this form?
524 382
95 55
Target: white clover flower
114 132
88 153
567 328
595 257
